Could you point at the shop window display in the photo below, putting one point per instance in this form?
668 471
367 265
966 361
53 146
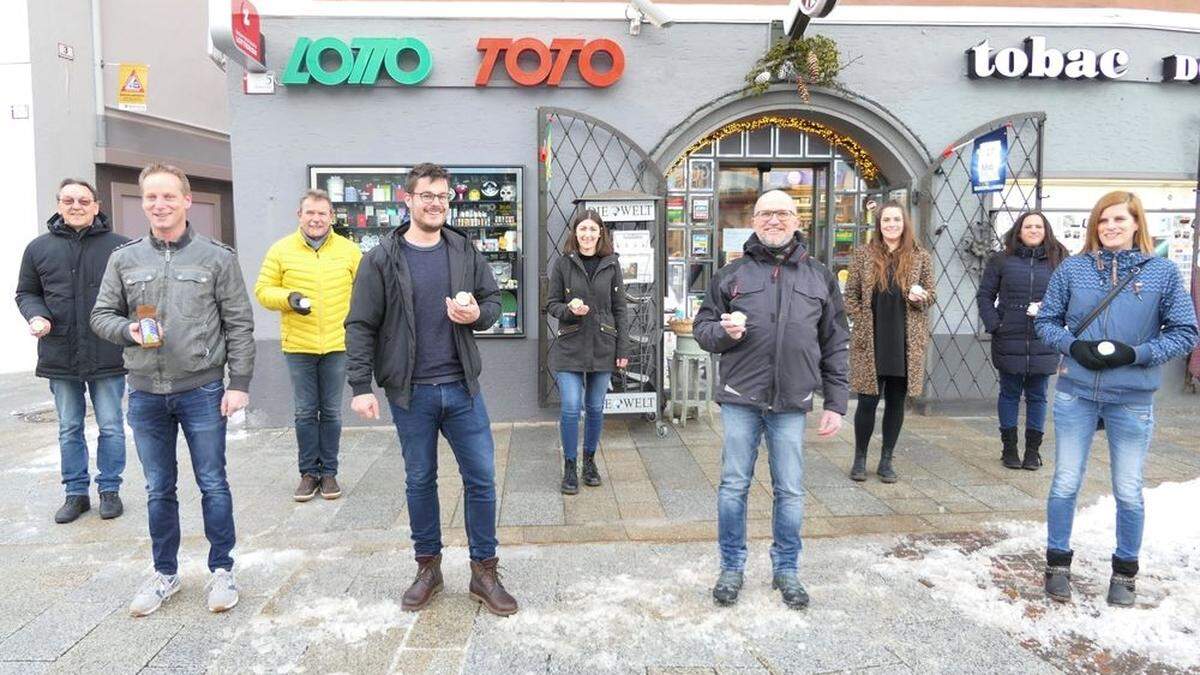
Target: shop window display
711 194
368 202
1067 204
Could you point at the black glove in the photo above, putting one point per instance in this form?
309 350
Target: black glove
1123 356
294 299
1084 351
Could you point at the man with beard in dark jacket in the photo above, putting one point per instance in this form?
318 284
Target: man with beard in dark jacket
60 275
417 298
777 319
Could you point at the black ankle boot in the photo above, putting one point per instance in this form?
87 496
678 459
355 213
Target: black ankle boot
886 473
1058 575
1033 445
591 475
858 472
1121 589
570 481
1009 455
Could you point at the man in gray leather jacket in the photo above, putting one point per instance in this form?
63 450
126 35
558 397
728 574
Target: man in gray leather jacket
776 318
194 287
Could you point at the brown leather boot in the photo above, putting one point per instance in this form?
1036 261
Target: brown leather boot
487 589
427 583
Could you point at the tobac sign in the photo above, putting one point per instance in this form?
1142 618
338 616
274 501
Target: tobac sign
550 61
331 62
1036 60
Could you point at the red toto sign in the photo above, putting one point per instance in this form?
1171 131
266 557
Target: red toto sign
550 69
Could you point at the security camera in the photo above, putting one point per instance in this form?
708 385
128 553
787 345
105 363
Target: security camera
651 12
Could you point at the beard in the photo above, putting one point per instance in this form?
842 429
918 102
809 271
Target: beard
430 226
774 239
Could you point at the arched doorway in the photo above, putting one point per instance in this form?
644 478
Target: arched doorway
838 156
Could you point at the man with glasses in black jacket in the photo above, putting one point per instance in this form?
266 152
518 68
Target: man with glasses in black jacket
60 274
417 298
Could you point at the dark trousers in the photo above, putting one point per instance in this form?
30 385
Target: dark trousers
893 391
448 409
1008 403
317 384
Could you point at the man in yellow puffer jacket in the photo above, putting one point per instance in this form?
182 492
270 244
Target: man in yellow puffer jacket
307 276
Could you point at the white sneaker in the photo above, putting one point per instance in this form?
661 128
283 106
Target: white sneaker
222 591
153 593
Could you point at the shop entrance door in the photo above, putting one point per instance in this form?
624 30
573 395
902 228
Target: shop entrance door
738 188
961 229
581 155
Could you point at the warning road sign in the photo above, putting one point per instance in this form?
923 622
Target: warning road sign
133 82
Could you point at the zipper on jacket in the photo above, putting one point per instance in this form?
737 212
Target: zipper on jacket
1028 358
770 401
320 295
162 296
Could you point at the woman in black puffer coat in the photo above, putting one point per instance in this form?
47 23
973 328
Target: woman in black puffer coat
1008 298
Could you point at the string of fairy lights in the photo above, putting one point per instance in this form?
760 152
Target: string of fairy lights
863 163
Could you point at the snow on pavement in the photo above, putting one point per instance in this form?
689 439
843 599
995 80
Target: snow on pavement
1164 627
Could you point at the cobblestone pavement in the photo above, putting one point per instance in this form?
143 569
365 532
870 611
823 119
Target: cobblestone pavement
613 579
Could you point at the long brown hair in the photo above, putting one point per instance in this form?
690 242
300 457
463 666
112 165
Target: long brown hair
604 246
1141 238
1055 251
902 260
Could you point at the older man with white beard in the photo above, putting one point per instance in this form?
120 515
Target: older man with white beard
777 319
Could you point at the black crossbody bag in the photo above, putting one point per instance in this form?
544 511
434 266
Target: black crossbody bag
1105 302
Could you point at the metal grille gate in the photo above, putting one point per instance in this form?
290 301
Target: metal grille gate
583 155
960 231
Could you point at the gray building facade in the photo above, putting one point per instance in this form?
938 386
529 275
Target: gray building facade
903 94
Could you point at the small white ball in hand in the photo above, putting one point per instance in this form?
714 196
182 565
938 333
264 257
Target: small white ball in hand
918 289
38 325
738 318
463 298
1033 308
1106 348
575 303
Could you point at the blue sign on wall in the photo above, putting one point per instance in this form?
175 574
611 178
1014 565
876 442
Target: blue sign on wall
989 163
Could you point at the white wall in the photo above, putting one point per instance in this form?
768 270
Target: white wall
63 94
18 184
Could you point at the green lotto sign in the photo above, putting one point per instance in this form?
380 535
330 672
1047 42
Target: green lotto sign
360 62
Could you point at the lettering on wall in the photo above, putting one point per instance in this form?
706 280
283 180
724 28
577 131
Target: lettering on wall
550 62
1181 68
1036 60
331 62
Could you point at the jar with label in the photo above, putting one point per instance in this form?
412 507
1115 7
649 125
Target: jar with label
148 325
336 187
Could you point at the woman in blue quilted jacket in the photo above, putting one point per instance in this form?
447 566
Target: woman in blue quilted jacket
1009 297
1111 370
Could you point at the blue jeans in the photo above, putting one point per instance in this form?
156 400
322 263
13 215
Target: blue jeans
463 420
1008 405
106 396
317 384
156 420
581 391
744 427
1129 428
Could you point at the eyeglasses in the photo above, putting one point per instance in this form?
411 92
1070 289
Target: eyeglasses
83 202
430 197
779 214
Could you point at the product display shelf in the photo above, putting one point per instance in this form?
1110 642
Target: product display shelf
486 204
